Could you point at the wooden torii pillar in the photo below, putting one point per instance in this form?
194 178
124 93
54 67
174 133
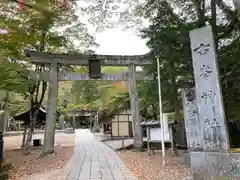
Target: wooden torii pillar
83 60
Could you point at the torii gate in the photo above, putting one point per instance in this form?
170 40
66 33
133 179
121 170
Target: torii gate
55 59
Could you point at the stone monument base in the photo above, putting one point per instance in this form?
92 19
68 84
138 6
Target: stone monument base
215 165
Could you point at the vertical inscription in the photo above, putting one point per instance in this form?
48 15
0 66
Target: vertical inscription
192 123
209 97
206 71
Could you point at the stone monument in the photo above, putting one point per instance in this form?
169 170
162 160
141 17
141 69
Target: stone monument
191 119
209 143
61 120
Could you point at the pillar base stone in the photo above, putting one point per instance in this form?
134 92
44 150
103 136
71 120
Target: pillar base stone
215 165
138 144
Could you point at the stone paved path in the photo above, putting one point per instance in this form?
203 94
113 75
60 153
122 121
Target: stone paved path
93 160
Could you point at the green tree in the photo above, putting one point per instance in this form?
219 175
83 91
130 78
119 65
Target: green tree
168 41
37 28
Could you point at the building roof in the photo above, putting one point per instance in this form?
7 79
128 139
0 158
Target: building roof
25 116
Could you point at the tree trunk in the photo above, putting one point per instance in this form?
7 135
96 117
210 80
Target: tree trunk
176 106
214 22
5 116
74 122
178 119
200 10
177 111
28 141
24 137
30 132
155 116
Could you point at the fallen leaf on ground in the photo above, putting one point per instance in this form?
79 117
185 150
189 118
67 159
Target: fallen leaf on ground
146 167
33 163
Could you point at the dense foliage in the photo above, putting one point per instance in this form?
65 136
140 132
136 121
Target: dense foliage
168 39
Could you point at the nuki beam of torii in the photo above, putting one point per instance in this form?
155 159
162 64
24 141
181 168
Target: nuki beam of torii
75 76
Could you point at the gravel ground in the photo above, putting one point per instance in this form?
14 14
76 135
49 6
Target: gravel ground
150 167
28 166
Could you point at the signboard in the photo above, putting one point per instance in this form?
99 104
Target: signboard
191 118
74 76
208 92
156 131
